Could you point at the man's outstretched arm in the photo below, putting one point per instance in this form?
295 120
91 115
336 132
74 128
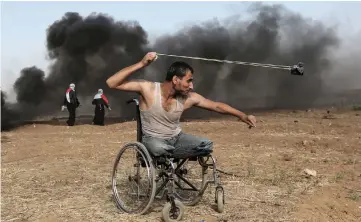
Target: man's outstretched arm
118 80
197 100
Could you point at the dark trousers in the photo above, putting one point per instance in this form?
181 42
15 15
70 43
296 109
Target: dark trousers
71 110
99 114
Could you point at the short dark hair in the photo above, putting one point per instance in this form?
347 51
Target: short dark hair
178 69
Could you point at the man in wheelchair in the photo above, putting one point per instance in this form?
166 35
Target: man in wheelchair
161 106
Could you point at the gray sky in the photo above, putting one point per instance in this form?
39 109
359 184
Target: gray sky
24 24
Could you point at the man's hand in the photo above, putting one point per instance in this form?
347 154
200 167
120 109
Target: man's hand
250 120
63 108
149 58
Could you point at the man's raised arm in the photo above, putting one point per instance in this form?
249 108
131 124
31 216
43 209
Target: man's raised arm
118 80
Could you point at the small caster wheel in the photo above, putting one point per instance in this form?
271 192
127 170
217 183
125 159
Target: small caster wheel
220 199
169 214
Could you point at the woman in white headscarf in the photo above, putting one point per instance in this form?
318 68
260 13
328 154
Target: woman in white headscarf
100 101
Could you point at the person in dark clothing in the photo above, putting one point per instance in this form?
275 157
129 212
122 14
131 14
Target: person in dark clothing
100 101
71 102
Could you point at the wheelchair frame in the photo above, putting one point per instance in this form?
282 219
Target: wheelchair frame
168 168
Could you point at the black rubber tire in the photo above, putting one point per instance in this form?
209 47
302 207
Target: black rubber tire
140 148
220 199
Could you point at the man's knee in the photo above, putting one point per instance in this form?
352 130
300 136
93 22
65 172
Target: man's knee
206 147
207 144
194 141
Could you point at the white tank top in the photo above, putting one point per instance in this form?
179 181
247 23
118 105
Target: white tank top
157 122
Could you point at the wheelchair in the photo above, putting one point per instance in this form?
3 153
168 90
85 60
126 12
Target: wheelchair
144 178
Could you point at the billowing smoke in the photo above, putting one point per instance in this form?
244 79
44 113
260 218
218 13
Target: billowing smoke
87 50
274 36
31 95
7 115
30 86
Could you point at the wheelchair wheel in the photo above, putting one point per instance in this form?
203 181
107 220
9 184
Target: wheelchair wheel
175 213
190 180
220 199
133 179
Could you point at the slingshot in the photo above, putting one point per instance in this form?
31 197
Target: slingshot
294 70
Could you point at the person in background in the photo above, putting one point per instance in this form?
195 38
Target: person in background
71 102
100 101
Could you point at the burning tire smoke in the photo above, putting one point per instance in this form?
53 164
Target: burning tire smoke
87 50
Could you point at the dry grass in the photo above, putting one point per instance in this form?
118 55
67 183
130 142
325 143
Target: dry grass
55 173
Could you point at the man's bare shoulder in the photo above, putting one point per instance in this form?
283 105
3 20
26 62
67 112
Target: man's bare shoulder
140 81
194 96
192 99
147 87
146 84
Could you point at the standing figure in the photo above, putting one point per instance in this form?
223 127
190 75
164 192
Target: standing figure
100 100
71 102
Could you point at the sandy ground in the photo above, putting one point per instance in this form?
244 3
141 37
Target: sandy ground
54 173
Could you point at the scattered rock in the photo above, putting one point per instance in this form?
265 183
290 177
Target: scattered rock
309 172
287 157
304 142
329 116
208 218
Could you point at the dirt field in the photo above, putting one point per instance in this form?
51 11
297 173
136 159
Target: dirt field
54 173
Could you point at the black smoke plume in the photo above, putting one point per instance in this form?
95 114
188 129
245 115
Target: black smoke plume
87 50
84 51
31 92
8 116
30 86
274 36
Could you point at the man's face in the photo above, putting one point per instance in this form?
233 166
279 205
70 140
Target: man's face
183 85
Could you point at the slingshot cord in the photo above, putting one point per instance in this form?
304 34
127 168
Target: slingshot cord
231 62
229 174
